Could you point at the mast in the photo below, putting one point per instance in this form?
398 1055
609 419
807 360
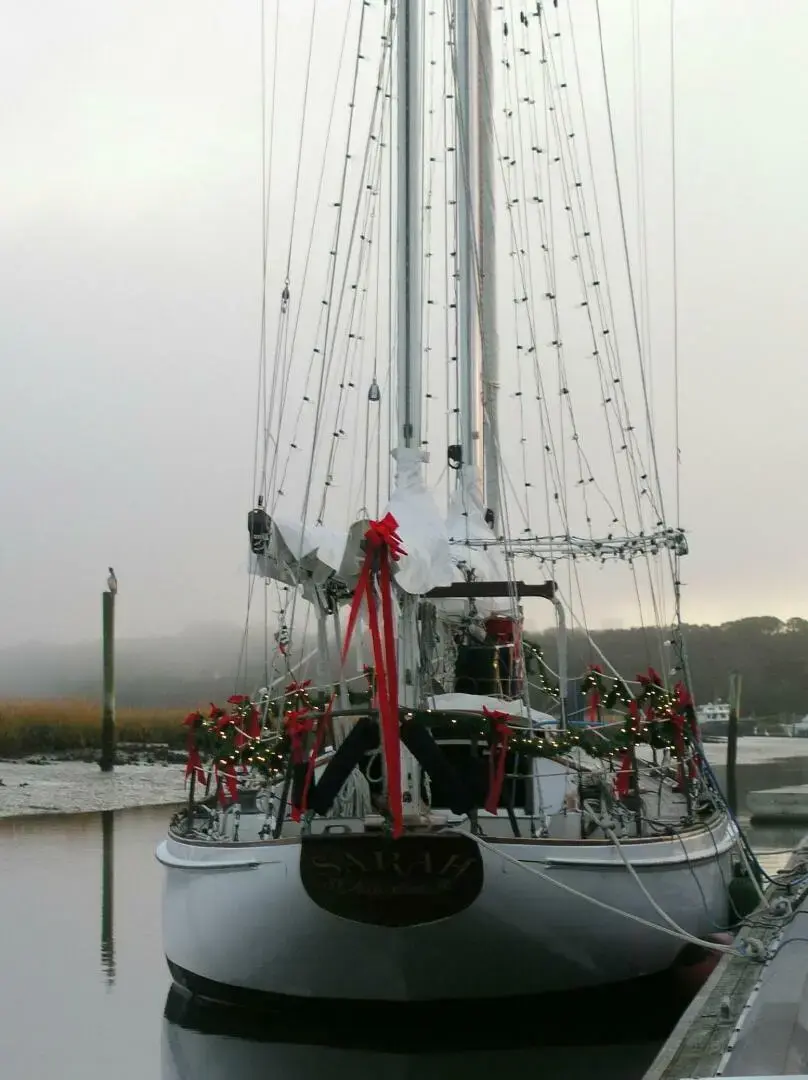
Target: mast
490 342
477 327
409 242
409 342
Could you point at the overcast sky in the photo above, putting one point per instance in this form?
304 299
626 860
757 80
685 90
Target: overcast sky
130 262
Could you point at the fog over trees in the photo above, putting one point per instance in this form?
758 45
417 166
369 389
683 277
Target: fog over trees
201 664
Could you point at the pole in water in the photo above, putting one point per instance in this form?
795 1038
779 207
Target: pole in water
108 716
107 897
732 741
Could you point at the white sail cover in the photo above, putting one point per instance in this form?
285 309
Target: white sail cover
466 521
435 552
309 555
428 562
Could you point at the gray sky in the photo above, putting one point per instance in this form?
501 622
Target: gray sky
130 217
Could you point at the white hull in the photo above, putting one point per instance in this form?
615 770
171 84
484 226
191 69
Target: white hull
237 915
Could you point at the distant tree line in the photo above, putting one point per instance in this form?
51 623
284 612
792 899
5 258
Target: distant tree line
770 655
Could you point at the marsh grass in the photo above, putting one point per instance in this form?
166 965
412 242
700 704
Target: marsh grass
47 727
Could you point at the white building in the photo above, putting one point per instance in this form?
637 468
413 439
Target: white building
714 712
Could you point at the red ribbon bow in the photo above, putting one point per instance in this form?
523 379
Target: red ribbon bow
297 687
497 756
222 719
383 535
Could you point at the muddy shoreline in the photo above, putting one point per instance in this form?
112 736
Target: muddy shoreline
50 785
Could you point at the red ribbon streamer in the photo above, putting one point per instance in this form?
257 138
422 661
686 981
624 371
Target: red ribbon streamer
683 710
253 723
297 725
594 697
622 784
497 757
230 781
382 544
625 770
193 766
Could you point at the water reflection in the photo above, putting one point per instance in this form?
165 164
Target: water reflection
108 895
215 1043
97 972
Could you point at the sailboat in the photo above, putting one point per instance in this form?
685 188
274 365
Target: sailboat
435 808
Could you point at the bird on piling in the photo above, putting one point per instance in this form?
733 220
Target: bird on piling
112 581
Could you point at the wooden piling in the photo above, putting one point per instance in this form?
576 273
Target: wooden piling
108 717
107 894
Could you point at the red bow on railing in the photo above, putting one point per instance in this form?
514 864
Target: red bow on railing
497 756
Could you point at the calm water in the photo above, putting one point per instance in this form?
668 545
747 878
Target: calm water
85 990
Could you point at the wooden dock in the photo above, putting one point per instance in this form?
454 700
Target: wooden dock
775 805
750 1018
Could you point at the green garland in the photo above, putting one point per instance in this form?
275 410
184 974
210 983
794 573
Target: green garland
220 742
596 742
548 687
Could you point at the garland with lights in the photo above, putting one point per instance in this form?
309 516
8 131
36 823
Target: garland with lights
544 671
223 744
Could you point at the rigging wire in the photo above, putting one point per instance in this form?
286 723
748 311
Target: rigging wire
276 486
636 470
367 192
626 254
675 259
329 306
261 404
